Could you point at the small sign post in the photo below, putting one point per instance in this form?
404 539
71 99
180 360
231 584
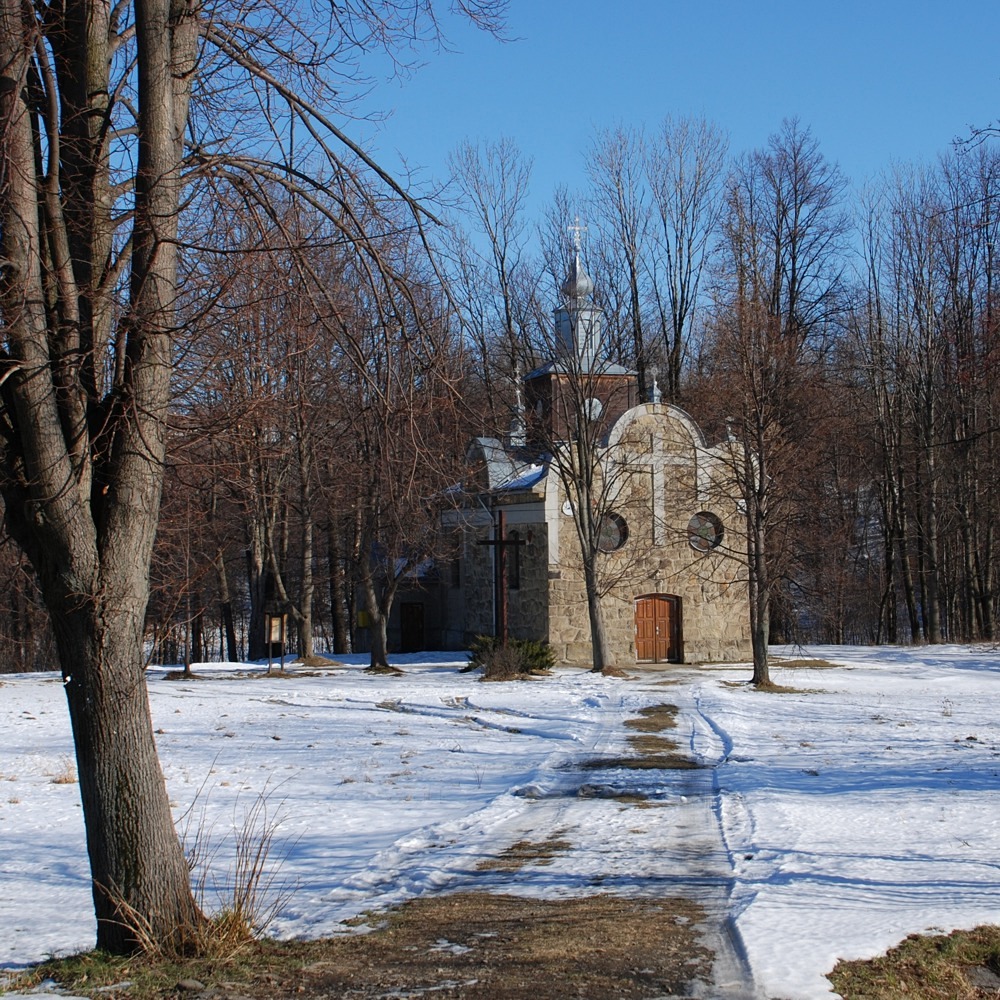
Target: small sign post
276 624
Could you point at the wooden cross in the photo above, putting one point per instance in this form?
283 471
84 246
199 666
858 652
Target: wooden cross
501 543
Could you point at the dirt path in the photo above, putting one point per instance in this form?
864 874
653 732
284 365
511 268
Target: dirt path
664 931
556 913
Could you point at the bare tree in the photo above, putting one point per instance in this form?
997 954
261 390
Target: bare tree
492 282
88 301
83 448
402 439
684 163
780 293
620 209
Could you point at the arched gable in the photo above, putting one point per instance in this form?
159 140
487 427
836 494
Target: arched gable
662 411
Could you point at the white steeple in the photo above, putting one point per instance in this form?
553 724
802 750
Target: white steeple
578 321
517 435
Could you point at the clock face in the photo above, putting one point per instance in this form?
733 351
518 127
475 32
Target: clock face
593 408
567 509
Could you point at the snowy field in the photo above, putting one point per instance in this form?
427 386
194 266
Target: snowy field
832 823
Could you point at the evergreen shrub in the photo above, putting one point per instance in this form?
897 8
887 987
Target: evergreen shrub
519 658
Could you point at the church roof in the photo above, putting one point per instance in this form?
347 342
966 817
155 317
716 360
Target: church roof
578 284
502 471
529 477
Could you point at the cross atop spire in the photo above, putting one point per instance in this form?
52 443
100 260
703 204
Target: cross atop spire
577 230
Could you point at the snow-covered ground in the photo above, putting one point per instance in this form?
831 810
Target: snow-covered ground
831 822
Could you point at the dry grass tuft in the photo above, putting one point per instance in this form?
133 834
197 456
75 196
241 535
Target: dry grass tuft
383 670
771 688
316 662
245 898
66 775
526 852
960 966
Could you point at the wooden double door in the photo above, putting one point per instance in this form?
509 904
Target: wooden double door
658 628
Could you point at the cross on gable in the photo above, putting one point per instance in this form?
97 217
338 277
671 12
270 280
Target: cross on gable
657 457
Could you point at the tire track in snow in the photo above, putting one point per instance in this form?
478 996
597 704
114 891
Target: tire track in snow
733 829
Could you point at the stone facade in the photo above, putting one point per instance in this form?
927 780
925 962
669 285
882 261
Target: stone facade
671 570
661 475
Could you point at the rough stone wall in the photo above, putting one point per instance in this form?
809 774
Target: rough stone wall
452 597
477 582
527 604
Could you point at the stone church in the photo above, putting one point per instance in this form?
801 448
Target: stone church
671 551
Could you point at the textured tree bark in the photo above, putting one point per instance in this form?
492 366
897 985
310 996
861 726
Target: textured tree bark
338 589
83 460
603 663
140 880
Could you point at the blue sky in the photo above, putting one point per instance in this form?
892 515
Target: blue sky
878 82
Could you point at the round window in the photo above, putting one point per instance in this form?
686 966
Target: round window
614 532
704 532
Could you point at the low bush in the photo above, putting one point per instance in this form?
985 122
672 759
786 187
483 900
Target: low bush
517 658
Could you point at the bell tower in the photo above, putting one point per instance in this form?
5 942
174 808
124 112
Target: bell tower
577 384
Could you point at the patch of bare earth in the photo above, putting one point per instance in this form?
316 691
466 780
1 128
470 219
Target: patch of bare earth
806 664
525 852
475 945
654 719
651 752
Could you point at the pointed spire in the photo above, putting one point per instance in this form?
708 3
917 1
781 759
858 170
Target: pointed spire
578 284
517 435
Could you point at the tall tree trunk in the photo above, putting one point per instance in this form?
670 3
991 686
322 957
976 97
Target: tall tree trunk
378 623
757 499
305 604
760 606
931 553
84 504
198 637
603 662
887 619
338 590
140 879
257 587
378 604
226 608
